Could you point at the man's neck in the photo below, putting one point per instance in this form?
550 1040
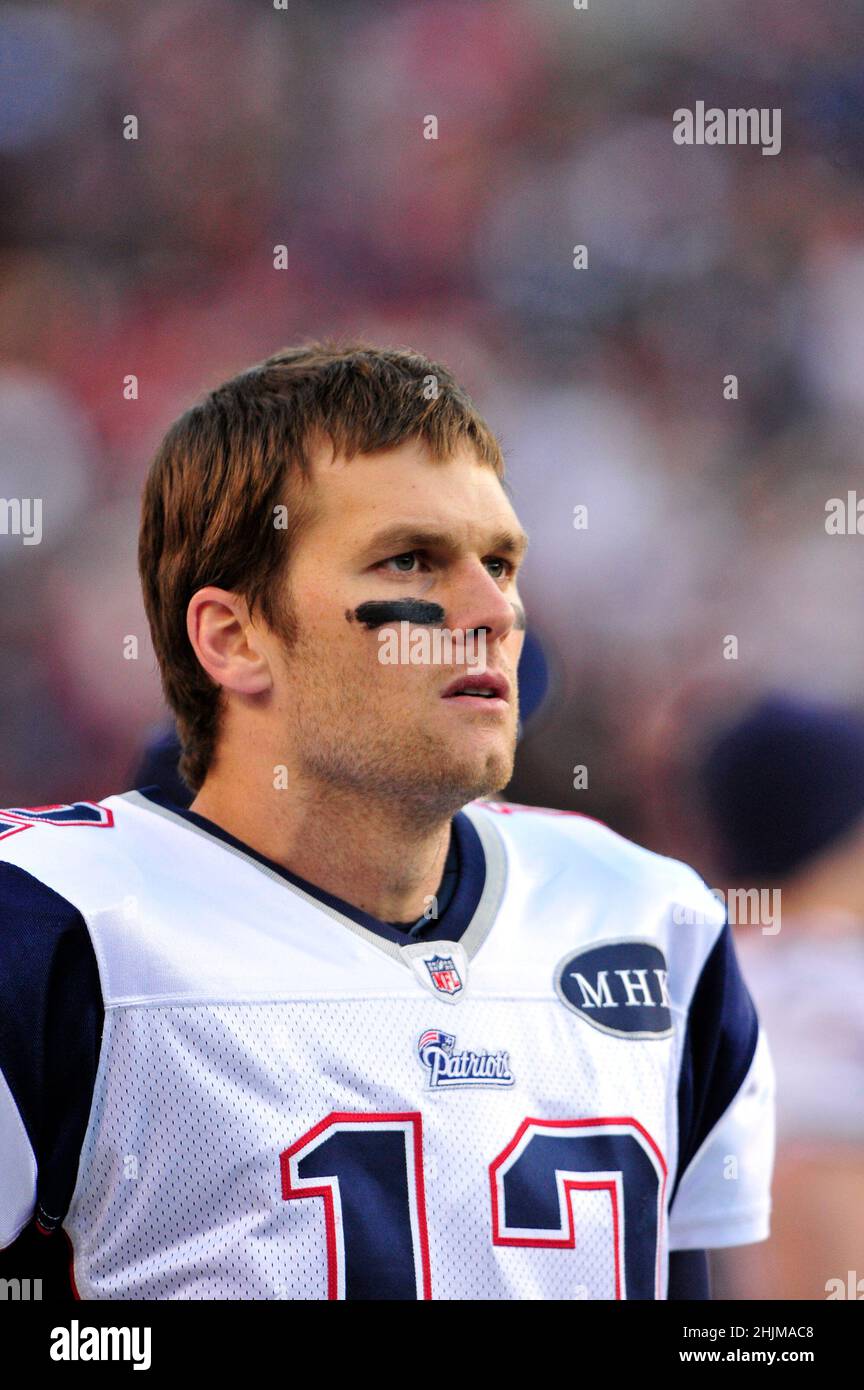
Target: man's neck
374 856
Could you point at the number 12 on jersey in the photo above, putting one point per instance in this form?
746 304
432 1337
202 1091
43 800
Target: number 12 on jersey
368 1171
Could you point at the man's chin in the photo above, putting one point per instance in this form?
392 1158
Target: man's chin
479 777
428 778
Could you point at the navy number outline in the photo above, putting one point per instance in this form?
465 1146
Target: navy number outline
613 1154
306 1172
14 820
334 1162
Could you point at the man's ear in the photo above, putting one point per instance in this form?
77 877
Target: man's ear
226 642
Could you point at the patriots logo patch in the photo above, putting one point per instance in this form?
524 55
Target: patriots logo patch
447 1067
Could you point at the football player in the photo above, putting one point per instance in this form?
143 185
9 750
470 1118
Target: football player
343 1027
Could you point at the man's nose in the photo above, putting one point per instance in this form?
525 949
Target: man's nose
477 603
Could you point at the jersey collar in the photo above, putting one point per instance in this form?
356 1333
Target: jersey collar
468 917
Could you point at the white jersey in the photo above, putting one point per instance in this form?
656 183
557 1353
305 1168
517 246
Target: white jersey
225 1083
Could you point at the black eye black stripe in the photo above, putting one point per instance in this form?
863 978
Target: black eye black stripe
377 612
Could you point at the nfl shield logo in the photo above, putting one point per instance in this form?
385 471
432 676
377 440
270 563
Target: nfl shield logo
445 976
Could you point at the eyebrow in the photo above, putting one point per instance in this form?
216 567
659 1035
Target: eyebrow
401 538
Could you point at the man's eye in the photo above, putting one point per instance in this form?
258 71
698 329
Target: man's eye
403 563
410 562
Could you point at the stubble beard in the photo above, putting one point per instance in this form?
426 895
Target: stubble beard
415 777
344 749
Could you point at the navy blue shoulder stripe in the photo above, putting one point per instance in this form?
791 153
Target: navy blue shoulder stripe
51 1020
721 1037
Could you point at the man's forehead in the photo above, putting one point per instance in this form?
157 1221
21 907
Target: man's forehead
405 491
411 461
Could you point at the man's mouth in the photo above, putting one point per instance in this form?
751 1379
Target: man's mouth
488 688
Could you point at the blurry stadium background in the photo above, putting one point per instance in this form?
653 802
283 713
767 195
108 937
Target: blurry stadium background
304 127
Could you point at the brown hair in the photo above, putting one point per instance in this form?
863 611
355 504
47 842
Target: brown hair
224 466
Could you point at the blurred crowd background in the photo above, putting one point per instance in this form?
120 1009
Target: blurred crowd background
706 515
